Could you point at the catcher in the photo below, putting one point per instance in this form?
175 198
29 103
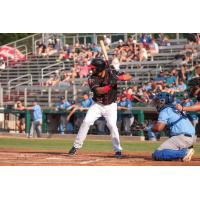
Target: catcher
181 131
103 84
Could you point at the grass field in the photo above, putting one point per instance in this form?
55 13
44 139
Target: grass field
90 145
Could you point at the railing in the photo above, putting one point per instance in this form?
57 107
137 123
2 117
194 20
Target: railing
1 96
29 81
47 74
25 51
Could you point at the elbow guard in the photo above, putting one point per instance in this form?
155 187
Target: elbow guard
107 88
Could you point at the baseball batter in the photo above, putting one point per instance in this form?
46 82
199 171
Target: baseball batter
103 84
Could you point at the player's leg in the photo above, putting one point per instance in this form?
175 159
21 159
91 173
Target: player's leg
38 128
111 119
127 125
62 124
92 115
31 134
176 147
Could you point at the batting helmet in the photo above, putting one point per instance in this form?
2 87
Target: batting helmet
98 64
162 99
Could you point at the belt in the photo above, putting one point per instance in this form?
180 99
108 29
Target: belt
185 134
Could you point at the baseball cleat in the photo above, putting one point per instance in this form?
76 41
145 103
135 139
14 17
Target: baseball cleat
72 151
118 154
188 156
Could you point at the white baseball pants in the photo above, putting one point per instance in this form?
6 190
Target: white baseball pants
95 112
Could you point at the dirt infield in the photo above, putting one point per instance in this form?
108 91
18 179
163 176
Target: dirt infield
59 158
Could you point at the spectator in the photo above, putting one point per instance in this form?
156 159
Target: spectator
65 54
181 86
142 53
2 63
50 50
160 78
54 79
95 49
41 49
130 41
127 119
58 45
154 49
75 71
65 78
107 41
84 70
77 48
21 118
120 44
172 77
36 119
63 105
116 63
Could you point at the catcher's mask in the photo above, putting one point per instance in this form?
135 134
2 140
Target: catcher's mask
162 99
97 65
193 86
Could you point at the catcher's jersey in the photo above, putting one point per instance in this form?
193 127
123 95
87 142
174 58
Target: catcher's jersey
96 81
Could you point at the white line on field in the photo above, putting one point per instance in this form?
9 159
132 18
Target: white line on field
91 161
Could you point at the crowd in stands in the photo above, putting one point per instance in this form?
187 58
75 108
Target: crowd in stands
126 51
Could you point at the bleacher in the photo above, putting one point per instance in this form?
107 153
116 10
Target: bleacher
141 71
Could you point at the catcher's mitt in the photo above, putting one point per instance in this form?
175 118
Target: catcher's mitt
193 85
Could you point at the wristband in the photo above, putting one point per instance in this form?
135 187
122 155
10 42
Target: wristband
107 88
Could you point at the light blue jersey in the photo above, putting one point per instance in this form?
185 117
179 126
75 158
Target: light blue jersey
87 103
63 106
127 103
168 116
37 113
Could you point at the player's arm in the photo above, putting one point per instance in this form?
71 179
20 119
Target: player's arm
95 86
20 108
122 108
193 108
28 108
103 90
162 121
159 126
71 113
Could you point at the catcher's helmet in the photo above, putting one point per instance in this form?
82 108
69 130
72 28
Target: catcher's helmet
98 64
162 99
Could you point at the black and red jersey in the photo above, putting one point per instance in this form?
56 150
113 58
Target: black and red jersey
96 81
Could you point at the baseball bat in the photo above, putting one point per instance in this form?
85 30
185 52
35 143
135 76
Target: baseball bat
103 49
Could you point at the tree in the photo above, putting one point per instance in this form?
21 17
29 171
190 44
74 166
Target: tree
11 37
